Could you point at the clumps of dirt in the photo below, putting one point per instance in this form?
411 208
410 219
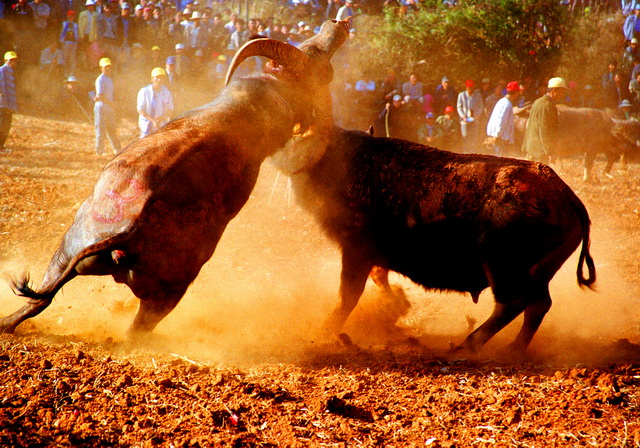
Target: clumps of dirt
68 392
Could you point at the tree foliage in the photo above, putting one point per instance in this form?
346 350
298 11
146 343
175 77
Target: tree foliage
477 38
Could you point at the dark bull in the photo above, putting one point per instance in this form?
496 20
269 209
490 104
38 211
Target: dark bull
160 207
451 222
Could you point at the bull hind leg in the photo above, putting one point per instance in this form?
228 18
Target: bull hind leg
503 314
34 307
532 298
38 300
533 315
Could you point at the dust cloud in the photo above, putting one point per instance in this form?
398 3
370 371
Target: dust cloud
274 278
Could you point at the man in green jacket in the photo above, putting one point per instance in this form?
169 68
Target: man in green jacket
542 127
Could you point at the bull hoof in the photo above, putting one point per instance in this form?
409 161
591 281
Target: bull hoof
345 340
7 327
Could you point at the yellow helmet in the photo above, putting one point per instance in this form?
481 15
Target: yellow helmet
104 62
10 55
158 71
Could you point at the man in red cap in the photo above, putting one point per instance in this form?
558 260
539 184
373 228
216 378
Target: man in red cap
449 128
69 43
500 127
470 108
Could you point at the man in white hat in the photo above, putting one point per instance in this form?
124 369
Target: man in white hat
8 98
104 110
346 12
88 23
155 103
542 127
183 63
196 35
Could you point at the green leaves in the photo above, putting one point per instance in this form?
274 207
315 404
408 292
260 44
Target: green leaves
477 38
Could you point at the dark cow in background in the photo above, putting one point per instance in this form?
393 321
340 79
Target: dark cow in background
456 222
587 132
159 208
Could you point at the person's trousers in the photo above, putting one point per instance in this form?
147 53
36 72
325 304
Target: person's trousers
105 126
6 116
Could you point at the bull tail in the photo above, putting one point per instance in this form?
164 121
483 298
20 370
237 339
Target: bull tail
60 272
585 256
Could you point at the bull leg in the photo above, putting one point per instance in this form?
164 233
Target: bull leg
355 271
9 323
503 314
153 308
611 159
533 315
380 277
588 166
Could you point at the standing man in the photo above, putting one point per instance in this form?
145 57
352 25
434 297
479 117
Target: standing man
87 31
470 108
346 12
8 101
104 111
542 127
500 127
155 104
69 41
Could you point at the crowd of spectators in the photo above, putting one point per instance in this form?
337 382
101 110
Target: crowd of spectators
62 42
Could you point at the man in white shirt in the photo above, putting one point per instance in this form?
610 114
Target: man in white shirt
470 108
155 104
104 109
500 127
345 12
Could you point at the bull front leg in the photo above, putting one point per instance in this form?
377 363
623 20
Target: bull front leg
157 299
355 272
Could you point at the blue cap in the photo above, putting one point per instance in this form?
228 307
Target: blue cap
171 60
430 115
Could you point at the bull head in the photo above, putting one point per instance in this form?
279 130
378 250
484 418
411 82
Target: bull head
309 65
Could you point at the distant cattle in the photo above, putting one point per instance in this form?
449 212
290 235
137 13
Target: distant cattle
587 132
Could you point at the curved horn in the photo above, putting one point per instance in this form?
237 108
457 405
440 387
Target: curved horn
284 54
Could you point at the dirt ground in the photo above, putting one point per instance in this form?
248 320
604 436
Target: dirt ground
242 361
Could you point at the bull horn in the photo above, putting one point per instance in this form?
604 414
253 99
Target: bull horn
284 54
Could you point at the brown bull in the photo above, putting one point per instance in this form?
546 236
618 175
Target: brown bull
457 222
160 207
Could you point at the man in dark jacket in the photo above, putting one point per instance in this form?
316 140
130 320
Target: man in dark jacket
542 127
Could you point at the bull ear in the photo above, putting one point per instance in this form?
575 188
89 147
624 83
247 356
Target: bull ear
370 131
284 54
